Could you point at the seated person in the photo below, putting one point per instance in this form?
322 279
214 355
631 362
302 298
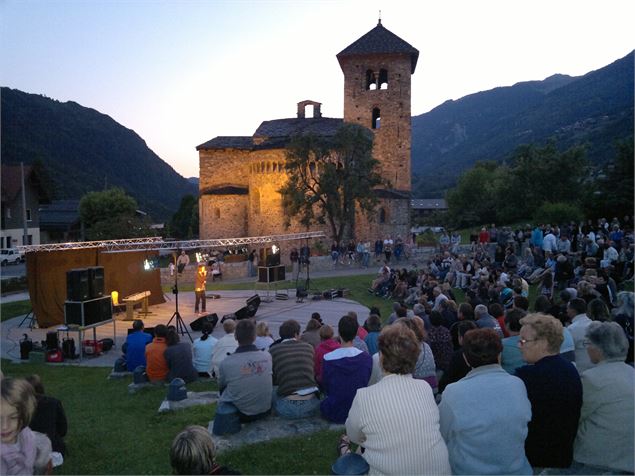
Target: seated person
328 344
245 377
193 452
400 434
484 415
22 451
226 345
382 278
49 417
344 371
156 366
312 333
135 346
295 389
202 349
457 369
511 357
178 356
263 336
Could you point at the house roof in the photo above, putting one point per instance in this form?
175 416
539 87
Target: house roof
59 215
428 204
380 40
323 126
12 179
228 142
225 189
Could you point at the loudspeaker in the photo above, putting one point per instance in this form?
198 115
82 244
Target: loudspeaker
95 311
253 303
242 313
271 274
95 282
77 288
273 259
197 325
52 342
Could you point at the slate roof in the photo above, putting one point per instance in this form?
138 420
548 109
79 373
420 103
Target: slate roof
228 142
429 204
323 126
379 40
59 215
226 189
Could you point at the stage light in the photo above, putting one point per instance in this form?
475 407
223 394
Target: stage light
199 257
275 249
115 298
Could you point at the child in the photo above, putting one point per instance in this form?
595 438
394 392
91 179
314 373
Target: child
19 444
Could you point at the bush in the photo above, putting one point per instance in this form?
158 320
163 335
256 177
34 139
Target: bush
426 238
557 213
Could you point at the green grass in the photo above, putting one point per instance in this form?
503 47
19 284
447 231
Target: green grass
9 310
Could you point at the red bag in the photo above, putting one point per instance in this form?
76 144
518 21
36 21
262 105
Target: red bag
54 356
92 347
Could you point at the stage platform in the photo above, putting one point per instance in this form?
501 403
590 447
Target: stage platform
274 313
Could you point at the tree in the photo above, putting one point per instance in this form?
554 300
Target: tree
184 222
111 214
615 188
329 177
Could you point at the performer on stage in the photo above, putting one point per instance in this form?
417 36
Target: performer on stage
199 287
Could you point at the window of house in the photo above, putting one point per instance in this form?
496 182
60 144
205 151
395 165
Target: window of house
309 110
8 212
383 79
1 241
382 215
28 214
370 80
217 213
376 118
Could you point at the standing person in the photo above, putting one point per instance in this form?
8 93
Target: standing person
202 350
49 417
388 244
178 356
199 288
484 415
135 346
400 436
345 370
294 257
379 249
251 258
156 366
295 390
245 378
182 261
483 236
554 390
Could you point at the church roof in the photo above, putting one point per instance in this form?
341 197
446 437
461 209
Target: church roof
323 126
228 142
379 40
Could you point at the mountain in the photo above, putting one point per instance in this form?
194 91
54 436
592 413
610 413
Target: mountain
84 150
595 109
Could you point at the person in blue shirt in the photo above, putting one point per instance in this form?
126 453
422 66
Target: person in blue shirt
135 346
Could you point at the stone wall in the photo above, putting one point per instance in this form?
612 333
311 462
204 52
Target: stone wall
222 216
397 221
393 137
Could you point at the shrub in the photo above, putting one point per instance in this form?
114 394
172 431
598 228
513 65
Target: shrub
558 212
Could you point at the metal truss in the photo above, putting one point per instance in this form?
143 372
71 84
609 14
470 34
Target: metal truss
157 243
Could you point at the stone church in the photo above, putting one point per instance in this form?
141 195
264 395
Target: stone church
240 175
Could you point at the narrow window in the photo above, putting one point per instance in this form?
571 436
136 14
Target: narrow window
28 214
268 167
8 214
376 118
309 110
370 80
217 213
382 215
383 79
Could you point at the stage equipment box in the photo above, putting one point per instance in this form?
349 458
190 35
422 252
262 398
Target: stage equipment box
88 313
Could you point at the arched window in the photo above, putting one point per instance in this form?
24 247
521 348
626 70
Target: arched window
274 167
370 80
281 167
376 118
268 167
309 110
262 167
217 213
383 79
382 215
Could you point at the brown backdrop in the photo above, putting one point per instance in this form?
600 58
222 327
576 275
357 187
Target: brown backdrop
123 272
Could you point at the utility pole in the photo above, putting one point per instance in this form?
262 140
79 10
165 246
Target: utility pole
25 236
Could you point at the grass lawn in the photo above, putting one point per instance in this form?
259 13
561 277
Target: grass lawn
9 310
113 432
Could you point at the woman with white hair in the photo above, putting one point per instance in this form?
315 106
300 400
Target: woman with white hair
605 430
623 315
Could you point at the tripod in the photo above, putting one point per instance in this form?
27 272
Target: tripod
181 328
304 260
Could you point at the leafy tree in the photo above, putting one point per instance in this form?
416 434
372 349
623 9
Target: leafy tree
111 214
329 177
184 222
558 213
615 189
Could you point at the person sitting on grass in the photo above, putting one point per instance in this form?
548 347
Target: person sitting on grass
178 356
49 417
328 344
202 349
295 391
245 378
193 452
373 326
157 368
400 435
344 371
22 451
135 346
225 346
312 333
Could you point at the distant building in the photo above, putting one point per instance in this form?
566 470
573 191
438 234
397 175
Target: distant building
240 176
59 222
12 217
422 207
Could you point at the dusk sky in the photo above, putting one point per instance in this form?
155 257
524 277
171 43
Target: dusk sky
181 73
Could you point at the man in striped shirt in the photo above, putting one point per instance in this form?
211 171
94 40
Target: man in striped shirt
295 391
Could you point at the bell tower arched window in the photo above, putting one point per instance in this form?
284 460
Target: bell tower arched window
376 122
383 79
